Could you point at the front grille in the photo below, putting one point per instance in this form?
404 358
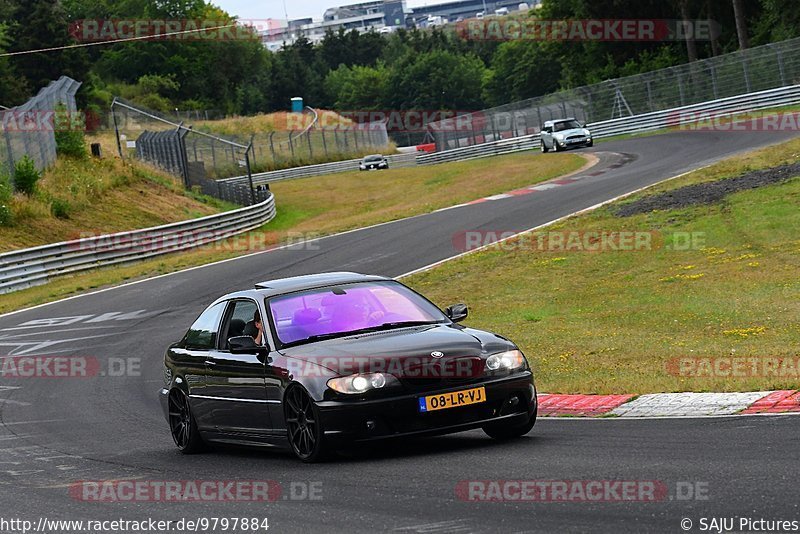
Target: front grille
443 373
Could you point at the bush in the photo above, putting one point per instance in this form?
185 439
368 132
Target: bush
5 189
26 175
69 133
70 143
6 216
60 208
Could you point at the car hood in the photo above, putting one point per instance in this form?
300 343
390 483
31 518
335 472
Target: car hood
573 131
403 351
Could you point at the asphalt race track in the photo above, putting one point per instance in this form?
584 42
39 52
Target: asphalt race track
56 432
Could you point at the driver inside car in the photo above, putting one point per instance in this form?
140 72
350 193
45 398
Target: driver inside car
255 329
354 316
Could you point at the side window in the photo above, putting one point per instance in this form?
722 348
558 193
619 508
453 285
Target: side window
239 316
203 333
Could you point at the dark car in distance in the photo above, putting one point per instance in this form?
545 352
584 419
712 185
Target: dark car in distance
345 358
373 163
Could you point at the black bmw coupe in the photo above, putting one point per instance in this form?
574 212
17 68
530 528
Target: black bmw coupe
339 358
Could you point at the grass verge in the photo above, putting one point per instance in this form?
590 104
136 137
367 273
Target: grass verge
91 196
651 320
329 204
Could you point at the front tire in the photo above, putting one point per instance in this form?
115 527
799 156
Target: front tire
304 426
504 432
182 424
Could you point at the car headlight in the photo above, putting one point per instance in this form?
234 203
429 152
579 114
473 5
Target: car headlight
360 383
509 360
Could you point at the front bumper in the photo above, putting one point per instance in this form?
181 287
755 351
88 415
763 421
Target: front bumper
576 144
361 420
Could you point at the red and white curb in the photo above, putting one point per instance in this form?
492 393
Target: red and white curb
580 174
670 404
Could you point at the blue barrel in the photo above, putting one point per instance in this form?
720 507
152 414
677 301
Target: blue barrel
297 104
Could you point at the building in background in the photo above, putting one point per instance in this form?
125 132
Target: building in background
383 16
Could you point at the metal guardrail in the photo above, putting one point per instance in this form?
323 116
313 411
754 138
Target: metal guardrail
647 122
25 268
759 68
395 161
34 266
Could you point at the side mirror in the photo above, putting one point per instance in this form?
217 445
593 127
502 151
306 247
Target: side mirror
457 312
244 345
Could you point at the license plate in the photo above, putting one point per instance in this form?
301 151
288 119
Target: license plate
443 401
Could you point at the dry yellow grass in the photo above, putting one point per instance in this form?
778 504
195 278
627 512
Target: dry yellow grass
373 197
103 196
328 204
621 321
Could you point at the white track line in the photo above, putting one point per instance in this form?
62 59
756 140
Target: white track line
544 225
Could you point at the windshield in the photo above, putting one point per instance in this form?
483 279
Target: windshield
339 310
372 159
566 125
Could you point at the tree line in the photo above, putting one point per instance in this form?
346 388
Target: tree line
408 69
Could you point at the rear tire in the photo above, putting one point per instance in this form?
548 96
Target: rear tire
504 432
544 147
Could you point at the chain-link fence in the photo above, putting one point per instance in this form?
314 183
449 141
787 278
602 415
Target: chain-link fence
294 140
755 69
196 157
303 139
29 129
